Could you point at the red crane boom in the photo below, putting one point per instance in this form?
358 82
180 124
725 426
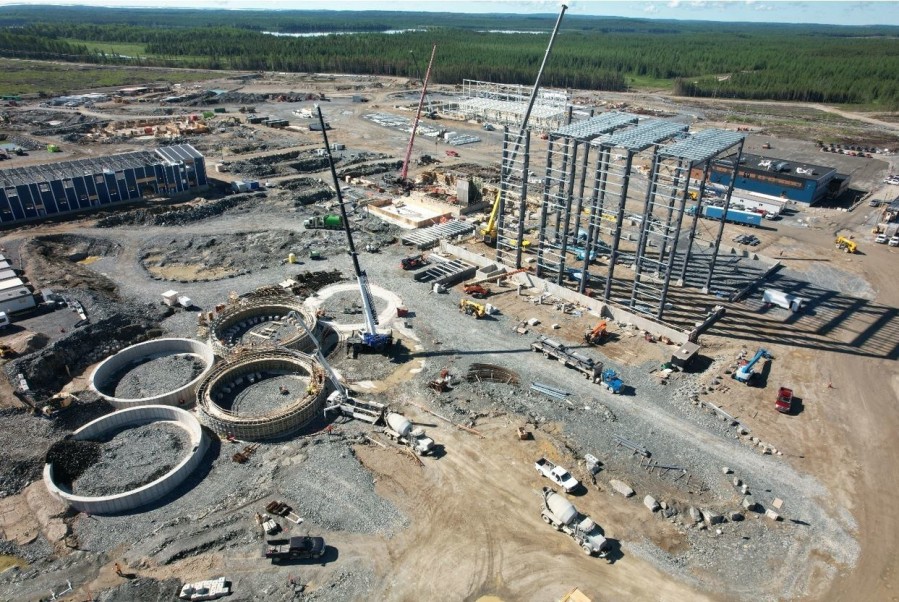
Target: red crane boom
421 102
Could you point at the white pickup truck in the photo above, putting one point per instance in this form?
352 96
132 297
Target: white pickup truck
556 474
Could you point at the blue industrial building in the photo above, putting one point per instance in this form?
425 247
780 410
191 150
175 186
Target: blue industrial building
40 191
801 182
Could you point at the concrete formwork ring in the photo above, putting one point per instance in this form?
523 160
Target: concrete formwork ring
253 366
226 328
182 396
150 492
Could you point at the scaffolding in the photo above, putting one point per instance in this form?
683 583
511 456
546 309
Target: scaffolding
505 104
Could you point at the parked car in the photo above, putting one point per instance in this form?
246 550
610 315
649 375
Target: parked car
881 239
894 242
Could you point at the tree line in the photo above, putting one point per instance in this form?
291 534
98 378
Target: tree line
783 63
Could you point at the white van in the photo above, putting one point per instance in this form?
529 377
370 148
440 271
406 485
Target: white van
4 320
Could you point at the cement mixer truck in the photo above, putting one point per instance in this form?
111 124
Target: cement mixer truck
399 428
561 514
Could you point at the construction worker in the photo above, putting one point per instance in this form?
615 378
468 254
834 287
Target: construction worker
118 569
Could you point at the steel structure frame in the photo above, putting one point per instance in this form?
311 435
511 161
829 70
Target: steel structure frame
506 104
634 220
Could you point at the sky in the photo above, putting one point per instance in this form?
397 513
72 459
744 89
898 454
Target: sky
839 13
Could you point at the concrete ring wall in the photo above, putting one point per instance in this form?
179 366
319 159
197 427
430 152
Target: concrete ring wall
182 396
150 492
254 312
286 420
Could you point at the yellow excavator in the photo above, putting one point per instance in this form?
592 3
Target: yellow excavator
488 233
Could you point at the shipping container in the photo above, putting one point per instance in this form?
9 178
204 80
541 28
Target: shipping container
735 216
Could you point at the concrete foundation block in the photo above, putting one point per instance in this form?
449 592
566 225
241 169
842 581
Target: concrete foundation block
772 515
651 503
621 487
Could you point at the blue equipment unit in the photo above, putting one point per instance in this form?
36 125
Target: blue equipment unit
747 218
744 374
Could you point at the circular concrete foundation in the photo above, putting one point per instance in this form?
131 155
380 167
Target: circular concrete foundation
257 395
385 318
150 492
114 369
262 323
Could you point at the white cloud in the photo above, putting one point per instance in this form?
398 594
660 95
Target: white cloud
673 3
650 9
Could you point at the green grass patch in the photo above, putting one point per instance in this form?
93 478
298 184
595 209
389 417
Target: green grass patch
113 48
32 77
645 82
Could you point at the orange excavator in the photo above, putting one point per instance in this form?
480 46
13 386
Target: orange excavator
597 335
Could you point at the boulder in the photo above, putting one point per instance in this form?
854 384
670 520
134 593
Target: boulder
712 518
651 503
695 515
621 487
734 517
748 503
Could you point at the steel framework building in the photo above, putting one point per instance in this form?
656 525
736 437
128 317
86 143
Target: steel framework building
39 191
505 104
595 203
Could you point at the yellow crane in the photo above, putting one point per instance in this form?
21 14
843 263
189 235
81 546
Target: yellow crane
488 233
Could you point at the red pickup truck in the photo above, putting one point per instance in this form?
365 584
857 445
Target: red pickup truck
784 401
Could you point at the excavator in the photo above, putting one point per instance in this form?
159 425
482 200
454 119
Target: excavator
472 309
488 233
597 335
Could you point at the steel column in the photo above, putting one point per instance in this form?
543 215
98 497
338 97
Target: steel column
730 189
616 237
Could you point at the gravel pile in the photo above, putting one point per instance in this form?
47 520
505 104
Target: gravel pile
182 215
155 376
333 491
132 458
143 589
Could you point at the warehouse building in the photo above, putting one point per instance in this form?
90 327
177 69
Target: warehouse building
801 182
35 192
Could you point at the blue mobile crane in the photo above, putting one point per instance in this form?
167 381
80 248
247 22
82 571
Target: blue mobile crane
368 338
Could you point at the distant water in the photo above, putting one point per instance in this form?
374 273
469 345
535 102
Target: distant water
316 34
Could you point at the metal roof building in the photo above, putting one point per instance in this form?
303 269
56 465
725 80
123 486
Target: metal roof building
35 192
781 178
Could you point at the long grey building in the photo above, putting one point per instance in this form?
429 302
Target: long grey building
40 191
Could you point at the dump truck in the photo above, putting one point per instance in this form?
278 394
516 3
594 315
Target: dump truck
561 514
554 349
556 474
295 548
326 222
400 429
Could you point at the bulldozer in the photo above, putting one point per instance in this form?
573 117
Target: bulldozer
472 309
598 335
